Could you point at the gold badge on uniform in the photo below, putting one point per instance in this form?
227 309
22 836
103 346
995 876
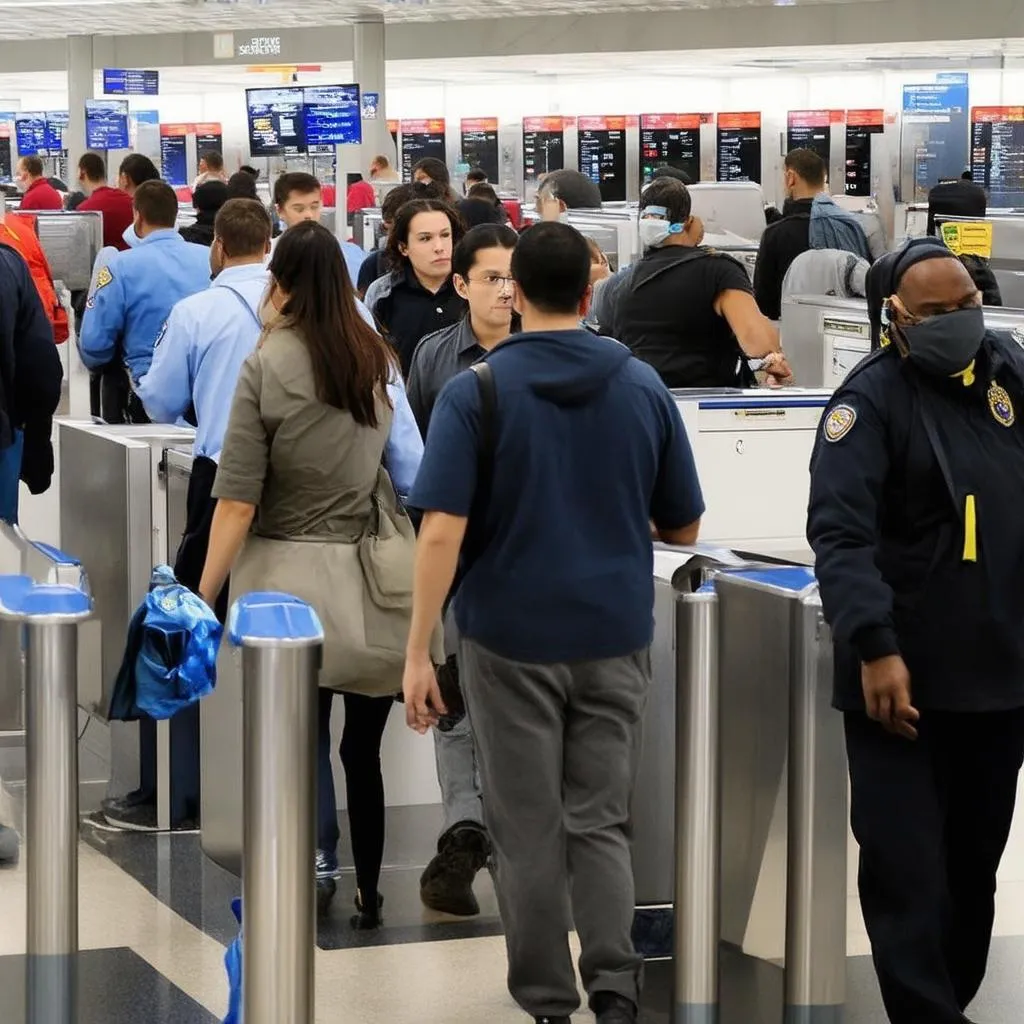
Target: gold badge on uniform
839 422
1001 406
103 278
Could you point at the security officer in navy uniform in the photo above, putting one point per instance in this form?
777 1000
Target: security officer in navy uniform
917 486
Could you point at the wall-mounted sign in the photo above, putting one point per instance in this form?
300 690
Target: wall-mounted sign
30 131
480 144
601 147
812 129
860 126
106 124
371 104
739 147
130 82
421 138
544 145
671 140
260 46
935 134
173 161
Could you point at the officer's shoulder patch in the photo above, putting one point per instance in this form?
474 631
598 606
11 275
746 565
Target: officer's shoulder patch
103 278
839 422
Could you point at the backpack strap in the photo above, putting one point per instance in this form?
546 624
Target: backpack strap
475 540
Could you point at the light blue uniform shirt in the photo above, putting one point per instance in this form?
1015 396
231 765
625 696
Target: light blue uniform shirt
200 352
133 295
199 356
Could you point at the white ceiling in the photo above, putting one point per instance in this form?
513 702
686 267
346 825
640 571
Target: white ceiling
491 70
44 19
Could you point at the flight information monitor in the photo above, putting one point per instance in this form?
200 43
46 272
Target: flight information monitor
997 153
6 160
30 131
480 145
209 138
333 115
56 124
860 126
812 129
602 155
933 145
130 82
543 146
739 147
173 161
106 124
671 140
421 138
275 121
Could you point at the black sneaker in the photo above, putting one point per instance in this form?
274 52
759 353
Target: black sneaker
139 817
326 865
447 883
611 1008
552 1020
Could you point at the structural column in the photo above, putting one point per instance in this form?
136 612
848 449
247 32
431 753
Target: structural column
80 88
368 63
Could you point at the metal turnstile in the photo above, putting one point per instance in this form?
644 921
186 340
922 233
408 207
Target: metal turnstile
113 510
782 803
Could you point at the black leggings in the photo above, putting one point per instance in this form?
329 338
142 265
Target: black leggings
365 719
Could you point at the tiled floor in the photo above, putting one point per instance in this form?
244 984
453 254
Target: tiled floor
155 918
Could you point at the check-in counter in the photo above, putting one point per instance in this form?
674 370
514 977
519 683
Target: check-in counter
752 450
113 511
824 337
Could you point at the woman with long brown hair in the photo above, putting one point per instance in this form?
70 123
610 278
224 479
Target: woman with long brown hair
320 437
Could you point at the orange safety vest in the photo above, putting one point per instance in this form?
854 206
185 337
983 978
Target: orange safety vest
18 230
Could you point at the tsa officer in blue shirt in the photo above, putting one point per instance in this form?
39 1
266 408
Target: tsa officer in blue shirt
133 294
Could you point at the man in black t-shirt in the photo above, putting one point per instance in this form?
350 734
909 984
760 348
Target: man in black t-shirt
685 309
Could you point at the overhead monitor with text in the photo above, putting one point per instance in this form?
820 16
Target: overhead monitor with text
671 140
739 147
860 126
276 123
543 146
997 153
480 145
812 129
106 124
421 138
332 116
602 155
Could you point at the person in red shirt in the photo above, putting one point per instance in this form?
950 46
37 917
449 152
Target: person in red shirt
361 196
38 193
115 205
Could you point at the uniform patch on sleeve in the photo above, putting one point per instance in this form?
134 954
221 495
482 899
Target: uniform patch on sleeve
839 422
103 278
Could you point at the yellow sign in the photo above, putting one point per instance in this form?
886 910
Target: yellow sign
968 239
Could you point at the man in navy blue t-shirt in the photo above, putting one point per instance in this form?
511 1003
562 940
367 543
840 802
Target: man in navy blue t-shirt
555 612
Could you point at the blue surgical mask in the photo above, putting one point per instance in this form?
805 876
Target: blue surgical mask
655 229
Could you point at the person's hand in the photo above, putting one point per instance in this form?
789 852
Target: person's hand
886 684
423 703
777 369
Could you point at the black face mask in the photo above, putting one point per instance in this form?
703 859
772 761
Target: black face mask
945 344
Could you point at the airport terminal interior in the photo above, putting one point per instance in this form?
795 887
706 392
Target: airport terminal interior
745 866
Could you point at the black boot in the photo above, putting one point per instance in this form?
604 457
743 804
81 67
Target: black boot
367 919
611 1008
447 883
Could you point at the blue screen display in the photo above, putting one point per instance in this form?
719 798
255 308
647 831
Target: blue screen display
173 165
936 131
332 115
30 131
130 82
106 124
276 122
56 122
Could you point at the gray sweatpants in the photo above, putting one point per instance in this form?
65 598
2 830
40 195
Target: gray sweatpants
558 748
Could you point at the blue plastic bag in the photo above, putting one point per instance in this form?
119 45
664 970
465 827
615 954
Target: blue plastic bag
233 965
170 658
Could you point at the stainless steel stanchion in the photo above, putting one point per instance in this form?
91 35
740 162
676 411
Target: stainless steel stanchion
281 640
51 615
696 929
815 987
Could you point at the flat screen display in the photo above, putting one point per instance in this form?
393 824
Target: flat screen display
811 129
602 155
543 146
106 124
480 145
56 123
860 126
209 139
173 160
997 153
30 132
332 115
671 140
421 138
935 134
739 147
6 161
276 123
130 82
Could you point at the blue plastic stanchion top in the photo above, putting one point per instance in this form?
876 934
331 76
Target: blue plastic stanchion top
268 617
55 554
21 597
794 578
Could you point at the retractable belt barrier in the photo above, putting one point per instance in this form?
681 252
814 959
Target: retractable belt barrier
281 642
50 615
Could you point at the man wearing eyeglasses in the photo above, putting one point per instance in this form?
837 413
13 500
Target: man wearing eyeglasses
482 275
